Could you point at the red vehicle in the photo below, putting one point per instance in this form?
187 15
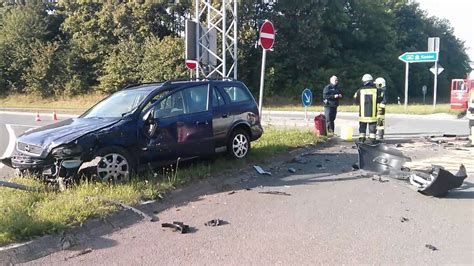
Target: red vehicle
460 92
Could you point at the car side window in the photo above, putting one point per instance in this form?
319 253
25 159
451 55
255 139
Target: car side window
237 94
217 99
196 98
172 105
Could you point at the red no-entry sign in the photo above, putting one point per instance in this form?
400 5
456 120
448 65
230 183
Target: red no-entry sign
191 64
267 35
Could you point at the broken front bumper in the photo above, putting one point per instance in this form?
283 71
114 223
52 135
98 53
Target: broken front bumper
380 158
437 182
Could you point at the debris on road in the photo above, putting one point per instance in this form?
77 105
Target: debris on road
355 166
299 159
437 182
128 207
433 248
380 158
232 192
404 219
18 186
215 222
80 253
261 171
292 170
280 193
178 226
379 178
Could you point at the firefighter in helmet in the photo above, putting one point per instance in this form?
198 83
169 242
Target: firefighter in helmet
368 97
381 85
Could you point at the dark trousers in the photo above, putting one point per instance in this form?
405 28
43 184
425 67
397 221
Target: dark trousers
330 113
363 129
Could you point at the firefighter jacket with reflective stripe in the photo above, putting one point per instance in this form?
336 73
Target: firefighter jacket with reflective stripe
368 97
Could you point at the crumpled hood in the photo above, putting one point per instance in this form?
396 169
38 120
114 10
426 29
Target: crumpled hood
65 131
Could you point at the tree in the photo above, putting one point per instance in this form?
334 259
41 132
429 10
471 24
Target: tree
21 26
122 66
41 76
163 59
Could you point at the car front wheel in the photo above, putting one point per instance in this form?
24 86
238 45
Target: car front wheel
238 144
115 165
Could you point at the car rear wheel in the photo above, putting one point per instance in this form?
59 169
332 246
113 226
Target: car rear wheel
115 165
238 144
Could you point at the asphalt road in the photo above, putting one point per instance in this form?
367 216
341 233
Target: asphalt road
397 125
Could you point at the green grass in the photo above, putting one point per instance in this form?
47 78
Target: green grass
418 109
82 102
24 215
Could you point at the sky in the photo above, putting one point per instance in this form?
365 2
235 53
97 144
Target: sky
460 14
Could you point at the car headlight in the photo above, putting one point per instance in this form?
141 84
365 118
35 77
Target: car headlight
66 151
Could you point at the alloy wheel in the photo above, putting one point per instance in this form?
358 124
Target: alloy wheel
113 167
240 145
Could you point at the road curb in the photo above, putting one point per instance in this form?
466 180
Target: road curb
48 244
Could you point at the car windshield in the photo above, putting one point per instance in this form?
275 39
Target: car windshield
119 104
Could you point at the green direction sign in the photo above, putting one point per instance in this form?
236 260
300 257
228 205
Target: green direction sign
419 57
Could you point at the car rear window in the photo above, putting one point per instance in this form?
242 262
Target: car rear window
237 94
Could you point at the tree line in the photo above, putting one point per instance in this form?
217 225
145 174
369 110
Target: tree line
64 48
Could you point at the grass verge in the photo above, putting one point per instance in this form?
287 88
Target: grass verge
25 215
82 102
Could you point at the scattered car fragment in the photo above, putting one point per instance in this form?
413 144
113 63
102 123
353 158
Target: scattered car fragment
380 158
18 186
437 182
433 248
260 170
215 222
178 226
280 193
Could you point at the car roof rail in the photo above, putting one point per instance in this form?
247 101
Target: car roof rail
131 85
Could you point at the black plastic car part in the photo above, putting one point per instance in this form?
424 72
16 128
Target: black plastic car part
381 158
437 182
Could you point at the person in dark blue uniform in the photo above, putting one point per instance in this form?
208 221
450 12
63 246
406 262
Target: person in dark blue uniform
331 95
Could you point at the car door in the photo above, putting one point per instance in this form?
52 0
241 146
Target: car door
221 119
183 125
240 102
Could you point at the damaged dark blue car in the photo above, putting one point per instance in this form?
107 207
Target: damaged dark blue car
141 126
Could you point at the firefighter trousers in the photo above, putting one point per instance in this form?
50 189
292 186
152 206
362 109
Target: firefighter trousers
363 129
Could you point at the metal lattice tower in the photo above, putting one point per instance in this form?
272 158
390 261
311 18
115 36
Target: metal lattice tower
217 43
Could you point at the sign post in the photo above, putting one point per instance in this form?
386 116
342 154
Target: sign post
407 66
424 89
267 39
433 46
435 86
307 100
416 57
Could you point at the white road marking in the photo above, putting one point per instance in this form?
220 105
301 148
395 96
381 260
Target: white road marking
18 125
11 143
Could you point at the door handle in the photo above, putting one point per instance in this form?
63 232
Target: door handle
198 123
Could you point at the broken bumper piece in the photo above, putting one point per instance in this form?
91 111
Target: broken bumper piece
380 158
437 182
